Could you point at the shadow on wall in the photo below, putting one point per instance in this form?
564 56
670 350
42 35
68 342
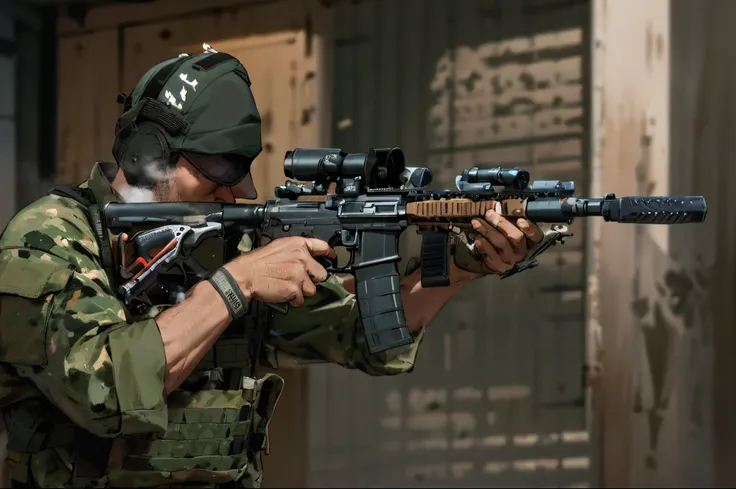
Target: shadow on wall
676 348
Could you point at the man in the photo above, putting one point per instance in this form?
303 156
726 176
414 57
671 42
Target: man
94 395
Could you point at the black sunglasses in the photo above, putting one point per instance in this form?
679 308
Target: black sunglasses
226 170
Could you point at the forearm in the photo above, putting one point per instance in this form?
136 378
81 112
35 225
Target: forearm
422 305
189 330
328 328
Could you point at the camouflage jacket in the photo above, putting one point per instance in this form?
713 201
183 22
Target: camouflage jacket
67 340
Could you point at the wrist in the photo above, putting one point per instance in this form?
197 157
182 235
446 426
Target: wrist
230 292
244 283
205 292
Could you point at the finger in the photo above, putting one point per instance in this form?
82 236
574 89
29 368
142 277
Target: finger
317 247
530 230
491 259
513 234
297 270
309 289
315 270
498 240
294 294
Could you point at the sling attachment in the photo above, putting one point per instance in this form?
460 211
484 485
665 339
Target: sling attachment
86 199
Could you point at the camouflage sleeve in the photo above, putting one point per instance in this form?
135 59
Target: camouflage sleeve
62 328
327 328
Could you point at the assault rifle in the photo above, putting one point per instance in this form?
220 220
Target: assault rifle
363 202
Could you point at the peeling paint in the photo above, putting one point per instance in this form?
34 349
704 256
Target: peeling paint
508 90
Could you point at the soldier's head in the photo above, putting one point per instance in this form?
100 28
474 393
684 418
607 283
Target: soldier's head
190 130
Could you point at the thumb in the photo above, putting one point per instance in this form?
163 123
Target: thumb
317 247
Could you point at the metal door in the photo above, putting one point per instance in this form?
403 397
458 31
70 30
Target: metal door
497 396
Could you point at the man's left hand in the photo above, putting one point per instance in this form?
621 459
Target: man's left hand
502 243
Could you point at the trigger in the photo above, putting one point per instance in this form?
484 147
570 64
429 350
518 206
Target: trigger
328 263
183 270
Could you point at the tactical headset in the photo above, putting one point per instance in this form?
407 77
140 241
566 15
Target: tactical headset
157 119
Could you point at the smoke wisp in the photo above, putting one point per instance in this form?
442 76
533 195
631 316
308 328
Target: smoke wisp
153 170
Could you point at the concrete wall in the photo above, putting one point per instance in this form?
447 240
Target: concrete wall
703 151
664 123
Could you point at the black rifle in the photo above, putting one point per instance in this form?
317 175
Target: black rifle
363 202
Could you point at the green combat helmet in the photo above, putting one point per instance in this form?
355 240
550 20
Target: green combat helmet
200 107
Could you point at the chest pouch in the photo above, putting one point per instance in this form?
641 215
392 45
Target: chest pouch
213 437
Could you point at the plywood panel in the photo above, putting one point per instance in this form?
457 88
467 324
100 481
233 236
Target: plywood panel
87 111
275 69
110 15
281 56
150 43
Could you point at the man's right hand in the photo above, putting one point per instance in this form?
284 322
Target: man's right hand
282 271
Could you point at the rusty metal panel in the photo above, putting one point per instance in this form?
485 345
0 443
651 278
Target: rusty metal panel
497 395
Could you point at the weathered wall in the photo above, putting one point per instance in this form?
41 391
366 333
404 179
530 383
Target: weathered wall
279 42
653 400
88 83
703 289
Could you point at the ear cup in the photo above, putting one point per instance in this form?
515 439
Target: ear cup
142 152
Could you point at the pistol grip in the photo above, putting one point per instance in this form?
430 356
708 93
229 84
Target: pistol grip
435 259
